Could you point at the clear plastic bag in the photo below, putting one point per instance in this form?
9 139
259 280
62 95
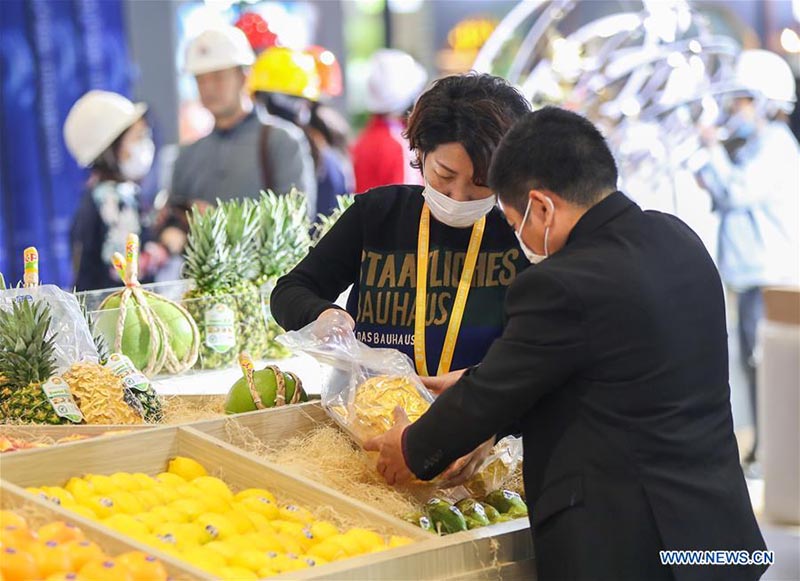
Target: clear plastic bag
497 469
362 385
73 340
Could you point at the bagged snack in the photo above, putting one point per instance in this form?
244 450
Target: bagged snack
363 385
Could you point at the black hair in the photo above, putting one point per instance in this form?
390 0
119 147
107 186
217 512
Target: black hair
473 109
106 166
556 150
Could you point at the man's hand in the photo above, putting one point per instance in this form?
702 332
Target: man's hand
465 467
437 385
391 461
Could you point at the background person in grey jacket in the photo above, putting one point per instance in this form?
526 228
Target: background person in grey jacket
245 152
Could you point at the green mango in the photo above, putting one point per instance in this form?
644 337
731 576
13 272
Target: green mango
507 502
446 518
240 399
421 521
473 512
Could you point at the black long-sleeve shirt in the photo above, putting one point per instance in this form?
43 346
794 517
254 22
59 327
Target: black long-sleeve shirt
373 246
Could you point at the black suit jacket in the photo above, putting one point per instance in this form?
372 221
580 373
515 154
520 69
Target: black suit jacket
614 366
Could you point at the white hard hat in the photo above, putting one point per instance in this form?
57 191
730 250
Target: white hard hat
395 80
95 121
217 49
766 74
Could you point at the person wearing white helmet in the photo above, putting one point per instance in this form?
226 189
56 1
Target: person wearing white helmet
753 176
108 134
245 153
381 154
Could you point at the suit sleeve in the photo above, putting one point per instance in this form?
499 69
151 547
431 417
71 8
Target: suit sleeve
328 269
542 346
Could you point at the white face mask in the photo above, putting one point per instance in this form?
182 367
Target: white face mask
454 213
530 254
140 160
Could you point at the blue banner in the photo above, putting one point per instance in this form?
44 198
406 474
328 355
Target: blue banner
52 52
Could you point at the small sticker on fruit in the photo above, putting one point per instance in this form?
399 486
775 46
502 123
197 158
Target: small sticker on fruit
58 394
220 324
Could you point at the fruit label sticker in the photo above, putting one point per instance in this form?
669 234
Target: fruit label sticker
60 397
220 323
121 366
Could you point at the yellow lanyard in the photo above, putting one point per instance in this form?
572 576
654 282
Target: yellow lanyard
454 325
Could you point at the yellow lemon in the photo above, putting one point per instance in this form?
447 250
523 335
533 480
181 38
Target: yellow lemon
127 525
252 560
181 536
102 485
149 519
312 561
352 546
215 527
165 493
102 506
398 541
170 479
287 563
267 572
204 559
213 486
241 520
216 504
366 539
296 514
222 548
295 531
64 497
263 493
126 502
262 506
124 481
84 511
323 530
259 521
269 542
235 573
79 488
10 518
170 515
191 507
330 551
147 498
186 468
38 492
145 482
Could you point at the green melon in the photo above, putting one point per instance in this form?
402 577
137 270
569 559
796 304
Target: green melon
240 400
136 335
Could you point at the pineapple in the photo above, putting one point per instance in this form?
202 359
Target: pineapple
145 403
27 360
101 395
242 228
209 262
283 242
326 222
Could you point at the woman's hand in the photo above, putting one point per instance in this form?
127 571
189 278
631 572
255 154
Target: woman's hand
332 322
437 385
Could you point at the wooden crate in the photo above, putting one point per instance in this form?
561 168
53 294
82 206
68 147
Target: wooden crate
38 512
465 554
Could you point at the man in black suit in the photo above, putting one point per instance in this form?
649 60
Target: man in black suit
613 365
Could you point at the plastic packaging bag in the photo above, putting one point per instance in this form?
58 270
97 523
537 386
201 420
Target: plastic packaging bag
363 385
497 468
73 340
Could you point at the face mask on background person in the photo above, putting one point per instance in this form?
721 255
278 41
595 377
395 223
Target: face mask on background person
530 254
741 126
140 160
454 213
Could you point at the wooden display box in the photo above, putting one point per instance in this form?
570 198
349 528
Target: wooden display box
38 512
505 548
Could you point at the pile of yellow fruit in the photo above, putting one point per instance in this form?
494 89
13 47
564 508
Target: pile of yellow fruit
195 517
58 551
